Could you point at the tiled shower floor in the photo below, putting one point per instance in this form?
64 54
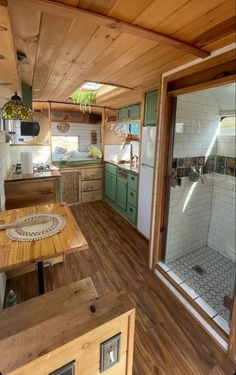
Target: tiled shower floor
214 284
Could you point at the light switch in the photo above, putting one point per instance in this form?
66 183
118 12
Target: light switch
110 353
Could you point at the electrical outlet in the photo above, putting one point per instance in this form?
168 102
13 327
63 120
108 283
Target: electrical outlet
110 353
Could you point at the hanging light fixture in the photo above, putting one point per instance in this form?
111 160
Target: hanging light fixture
15 109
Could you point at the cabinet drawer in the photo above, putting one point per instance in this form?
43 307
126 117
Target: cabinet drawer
110 168
90 196
133 181
132 197
91 185
131 213
29 189
91 173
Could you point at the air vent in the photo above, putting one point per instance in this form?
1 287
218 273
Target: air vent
68 369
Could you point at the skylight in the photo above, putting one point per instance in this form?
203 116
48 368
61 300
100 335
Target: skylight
92 86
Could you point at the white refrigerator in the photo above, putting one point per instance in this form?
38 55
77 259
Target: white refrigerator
146 180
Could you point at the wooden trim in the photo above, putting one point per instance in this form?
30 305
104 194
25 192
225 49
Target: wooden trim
164 130
71 103
113 23
112 84
204 85
192 302
130 343
232 335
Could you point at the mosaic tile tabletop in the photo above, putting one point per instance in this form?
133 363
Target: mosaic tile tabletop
215 283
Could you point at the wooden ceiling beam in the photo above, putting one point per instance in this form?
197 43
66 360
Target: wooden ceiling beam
112 23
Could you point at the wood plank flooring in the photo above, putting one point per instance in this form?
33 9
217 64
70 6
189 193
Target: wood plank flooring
167 339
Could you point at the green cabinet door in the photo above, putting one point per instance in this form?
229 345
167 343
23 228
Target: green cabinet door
110 186
121 193
150 114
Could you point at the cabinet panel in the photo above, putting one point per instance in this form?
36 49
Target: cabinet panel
150 114
133 182
110 168
121 193
110 186
91 173
132 197
131 213
90 196
91 185
134 112
71 187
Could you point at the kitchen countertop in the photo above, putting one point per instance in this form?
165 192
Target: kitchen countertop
11 176
127 166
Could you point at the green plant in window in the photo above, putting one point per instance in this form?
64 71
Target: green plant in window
84 99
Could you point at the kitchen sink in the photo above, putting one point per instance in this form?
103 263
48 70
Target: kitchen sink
123 162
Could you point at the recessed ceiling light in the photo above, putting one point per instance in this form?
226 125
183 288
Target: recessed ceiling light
3 28
93 86
2 57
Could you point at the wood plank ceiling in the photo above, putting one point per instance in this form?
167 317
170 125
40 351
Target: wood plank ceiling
65 48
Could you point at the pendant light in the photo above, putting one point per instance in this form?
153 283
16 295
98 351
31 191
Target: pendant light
15 109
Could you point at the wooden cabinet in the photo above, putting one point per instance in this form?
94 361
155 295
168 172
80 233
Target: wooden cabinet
31 192
81 184
71 187
150 111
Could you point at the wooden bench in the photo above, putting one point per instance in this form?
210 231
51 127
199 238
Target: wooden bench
66 325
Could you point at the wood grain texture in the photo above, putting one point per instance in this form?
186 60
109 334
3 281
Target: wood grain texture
108 54
15 254
167 339
73 331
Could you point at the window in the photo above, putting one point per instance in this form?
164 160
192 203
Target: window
227 125
64 144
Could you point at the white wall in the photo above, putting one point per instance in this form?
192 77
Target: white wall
81 130
222 222
117 152
41 154
197 122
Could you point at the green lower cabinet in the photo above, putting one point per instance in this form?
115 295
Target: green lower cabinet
110 186
132 197
121 193
132 213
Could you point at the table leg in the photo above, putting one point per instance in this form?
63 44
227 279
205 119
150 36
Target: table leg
41 278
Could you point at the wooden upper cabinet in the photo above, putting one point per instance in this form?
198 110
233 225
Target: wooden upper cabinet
150 111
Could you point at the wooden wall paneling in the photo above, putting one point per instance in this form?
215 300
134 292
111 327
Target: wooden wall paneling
76 39
83 331
26 25
232 336
196 28
103 125
185 14
112 23
9 75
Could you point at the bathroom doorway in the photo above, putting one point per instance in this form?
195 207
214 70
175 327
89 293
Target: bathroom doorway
200 238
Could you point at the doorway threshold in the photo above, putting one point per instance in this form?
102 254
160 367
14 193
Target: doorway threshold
197 307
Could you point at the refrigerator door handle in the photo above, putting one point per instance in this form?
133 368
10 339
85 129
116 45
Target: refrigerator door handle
146 165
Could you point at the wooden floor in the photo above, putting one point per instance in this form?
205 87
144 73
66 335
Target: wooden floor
167 339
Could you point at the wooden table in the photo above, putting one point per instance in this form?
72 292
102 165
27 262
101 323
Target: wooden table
14 254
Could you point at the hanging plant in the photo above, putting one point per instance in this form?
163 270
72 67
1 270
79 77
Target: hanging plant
84 99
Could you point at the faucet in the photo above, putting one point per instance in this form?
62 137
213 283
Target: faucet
194 175
131 150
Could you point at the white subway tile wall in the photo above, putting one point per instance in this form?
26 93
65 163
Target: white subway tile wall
5 163
41 154
190 204
81 130
117 152
199 213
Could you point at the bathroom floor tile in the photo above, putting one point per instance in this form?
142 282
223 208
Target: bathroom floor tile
211 286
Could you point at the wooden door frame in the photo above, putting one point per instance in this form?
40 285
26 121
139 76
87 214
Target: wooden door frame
212 73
